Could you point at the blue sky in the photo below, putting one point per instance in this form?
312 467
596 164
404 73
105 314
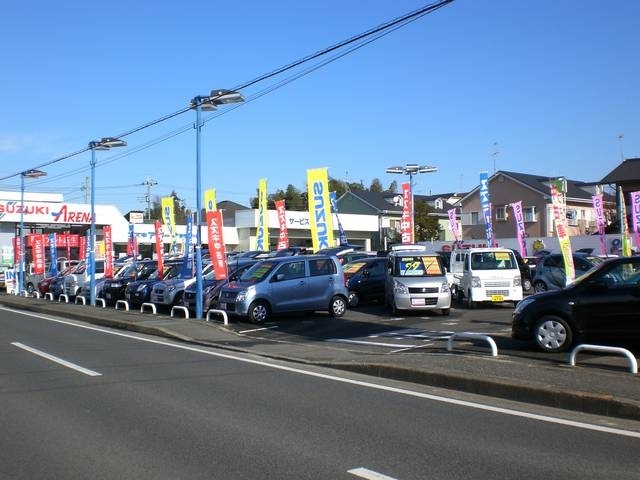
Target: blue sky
542 87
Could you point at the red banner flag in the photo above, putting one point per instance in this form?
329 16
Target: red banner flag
216 244
406 224
16 250
108 251
283 237
159 248
37 250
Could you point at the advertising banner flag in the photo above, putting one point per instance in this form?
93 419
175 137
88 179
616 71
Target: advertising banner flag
210 200
217 248
131 244
283 237
406 223
598 207
85 246
561 231
53 253
453 226
159 248
320 219
16 250
262 238
333 197
635 212
520 228
187 264
624 225
37 250
485 203
108 251
168 218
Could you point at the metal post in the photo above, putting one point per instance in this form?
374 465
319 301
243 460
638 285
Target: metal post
21 238
413 218
198 213
92 236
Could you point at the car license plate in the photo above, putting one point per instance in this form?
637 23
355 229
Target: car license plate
497 298
223 306
417 301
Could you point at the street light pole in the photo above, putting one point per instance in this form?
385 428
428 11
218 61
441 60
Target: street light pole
200 104
412 169
104 144
26 174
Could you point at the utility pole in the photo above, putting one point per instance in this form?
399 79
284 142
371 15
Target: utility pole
149 183
85 188
494 154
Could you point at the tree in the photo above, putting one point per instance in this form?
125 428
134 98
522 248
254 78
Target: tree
376 186
393 187
426 226
180 212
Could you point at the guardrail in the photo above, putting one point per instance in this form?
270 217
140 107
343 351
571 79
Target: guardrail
124 303
80 299
633 363
48 296
179 308
225 317
147 304
63 296
473 336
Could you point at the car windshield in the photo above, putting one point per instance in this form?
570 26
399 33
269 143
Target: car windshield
493 261
258 272
419 266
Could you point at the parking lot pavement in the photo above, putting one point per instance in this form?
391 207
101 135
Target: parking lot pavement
411 348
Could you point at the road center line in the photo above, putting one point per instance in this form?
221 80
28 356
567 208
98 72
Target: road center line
40 353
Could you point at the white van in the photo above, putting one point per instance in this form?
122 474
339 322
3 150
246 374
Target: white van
485 275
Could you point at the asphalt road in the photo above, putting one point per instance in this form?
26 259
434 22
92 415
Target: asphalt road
129 406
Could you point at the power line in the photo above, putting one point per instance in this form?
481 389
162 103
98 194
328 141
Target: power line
364 38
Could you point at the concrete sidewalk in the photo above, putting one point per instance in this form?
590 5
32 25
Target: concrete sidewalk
593 386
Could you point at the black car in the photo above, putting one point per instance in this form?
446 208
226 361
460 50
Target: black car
602 305
113 289
211 287
139 291
550 271
365 279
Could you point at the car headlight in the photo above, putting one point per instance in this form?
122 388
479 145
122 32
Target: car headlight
399 287
444 288
523 303
476 282
517 281
244 294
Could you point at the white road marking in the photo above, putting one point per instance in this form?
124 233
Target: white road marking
58 360
368 474
401 391
363 342
258 329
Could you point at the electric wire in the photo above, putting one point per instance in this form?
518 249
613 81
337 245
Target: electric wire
362 38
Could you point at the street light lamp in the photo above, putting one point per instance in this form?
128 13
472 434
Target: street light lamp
26 174
105 144
200 104
412 169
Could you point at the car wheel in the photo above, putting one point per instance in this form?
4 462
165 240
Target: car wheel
30 288
258 311
553 334
338 306
539 286
354 300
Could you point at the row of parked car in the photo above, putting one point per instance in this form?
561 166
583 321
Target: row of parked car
602 302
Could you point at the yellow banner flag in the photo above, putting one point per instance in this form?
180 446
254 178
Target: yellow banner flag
262 237
320 218
210 200
168 218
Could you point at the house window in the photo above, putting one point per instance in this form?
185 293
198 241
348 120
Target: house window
475 218
501 214
529 214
